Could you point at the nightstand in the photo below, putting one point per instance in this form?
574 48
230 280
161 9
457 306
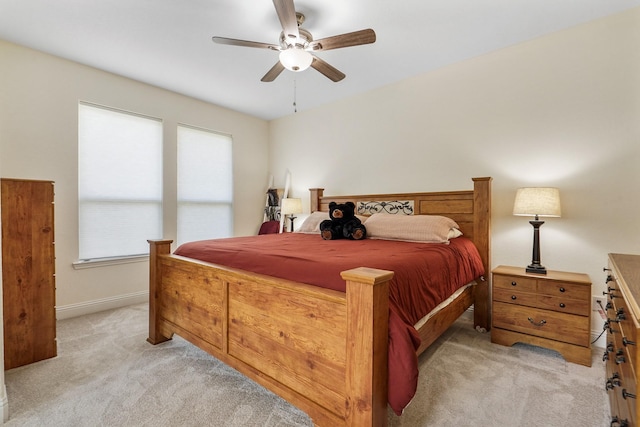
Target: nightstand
551 310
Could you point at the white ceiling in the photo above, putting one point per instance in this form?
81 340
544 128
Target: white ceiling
167 43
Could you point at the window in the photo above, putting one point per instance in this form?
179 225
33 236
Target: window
119 182
205 185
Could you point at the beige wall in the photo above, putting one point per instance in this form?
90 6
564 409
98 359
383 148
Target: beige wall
39 95
562 110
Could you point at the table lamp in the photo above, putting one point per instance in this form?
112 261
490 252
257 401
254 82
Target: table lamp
537 202
290 207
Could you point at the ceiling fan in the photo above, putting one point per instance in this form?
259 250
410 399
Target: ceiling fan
296 44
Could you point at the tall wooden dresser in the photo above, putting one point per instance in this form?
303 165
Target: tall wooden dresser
623 321
28 271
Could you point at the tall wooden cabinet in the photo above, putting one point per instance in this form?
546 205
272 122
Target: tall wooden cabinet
28 271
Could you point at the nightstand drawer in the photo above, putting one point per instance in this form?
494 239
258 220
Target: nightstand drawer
565 305
512 296
563 327
521 284
548 302
565 290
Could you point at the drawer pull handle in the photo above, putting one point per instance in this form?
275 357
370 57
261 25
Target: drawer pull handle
620 357
513 297
617 422
561 289
562 305
614 381
605 356
627 342
609 279
626 394
513 283
540 323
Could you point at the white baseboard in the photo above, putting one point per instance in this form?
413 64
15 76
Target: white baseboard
4 406
95 306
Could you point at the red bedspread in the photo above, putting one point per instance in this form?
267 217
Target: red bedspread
425 275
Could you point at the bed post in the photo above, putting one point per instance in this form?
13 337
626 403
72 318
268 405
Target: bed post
367 346
156 248
314 202
482 240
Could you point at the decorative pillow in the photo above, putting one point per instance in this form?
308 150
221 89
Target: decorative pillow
311 224
412 228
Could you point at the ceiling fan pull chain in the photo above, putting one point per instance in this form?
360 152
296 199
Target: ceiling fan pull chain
295 106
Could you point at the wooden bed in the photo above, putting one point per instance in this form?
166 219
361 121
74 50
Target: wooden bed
324 351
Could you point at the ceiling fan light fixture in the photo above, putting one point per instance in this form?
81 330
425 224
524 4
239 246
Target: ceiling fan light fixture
295 59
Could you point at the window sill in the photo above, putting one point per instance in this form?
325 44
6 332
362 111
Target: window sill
106 262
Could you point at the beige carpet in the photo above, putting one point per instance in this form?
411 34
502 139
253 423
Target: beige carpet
106 374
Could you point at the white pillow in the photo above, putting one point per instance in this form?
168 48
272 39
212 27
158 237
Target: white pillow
412 228
311 224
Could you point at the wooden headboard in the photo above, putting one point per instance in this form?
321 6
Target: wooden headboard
471 209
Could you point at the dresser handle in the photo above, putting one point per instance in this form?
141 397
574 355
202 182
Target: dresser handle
614 381
605 356
620 357
562 305
606 269
617 422
626 394
513 283
562 289
627 342
513 297
609 278
540 323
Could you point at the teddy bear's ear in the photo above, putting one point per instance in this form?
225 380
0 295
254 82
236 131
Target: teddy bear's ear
351 205
332 205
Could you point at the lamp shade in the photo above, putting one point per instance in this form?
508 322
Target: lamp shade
291 206
537 201
295 59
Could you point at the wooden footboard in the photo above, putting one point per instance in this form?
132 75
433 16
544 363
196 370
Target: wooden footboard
321 350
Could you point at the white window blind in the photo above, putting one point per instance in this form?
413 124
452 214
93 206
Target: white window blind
119 182
205 185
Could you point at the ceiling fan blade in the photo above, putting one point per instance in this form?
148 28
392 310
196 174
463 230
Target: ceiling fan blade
287 14
345 40
328 70
273 72
245 43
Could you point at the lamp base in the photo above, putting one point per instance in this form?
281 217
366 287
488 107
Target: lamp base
536 269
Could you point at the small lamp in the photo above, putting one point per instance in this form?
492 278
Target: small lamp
291 207
537 202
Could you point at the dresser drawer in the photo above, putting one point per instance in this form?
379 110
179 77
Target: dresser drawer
568 328
519 284
565 290
565 305
512 296
549 302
